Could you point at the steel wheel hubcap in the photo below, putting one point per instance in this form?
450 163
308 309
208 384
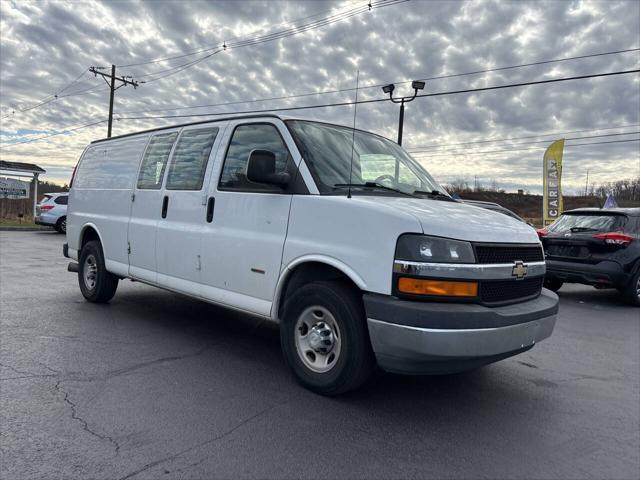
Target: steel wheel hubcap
318 339
90 272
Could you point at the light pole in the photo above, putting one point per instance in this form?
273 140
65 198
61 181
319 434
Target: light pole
416 85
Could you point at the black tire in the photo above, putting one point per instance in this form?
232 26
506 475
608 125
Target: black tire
102 286
61 225
631 292
553 284
343 306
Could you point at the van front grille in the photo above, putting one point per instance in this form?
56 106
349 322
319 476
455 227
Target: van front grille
508 253
510 290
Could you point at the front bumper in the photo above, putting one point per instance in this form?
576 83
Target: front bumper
607 273
429 337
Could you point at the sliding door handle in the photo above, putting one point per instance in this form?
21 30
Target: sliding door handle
210 204
165 205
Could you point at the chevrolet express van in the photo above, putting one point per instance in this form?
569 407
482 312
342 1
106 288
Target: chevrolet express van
337 234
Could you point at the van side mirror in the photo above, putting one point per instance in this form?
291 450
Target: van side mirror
262 169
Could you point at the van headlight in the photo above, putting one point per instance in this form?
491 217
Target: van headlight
422 248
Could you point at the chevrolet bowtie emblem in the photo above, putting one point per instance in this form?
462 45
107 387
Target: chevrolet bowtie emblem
519 270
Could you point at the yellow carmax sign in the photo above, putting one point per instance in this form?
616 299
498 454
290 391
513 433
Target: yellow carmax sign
552 167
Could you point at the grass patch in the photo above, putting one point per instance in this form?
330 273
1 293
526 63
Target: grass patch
16 222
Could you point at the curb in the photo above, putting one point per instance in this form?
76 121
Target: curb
26 229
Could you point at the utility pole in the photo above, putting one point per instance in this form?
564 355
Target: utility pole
112 87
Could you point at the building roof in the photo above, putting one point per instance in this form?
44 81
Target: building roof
21 167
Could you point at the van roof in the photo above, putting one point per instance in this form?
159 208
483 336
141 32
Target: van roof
211 120
224 119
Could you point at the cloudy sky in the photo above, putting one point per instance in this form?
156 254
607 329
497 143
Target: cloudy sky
46 45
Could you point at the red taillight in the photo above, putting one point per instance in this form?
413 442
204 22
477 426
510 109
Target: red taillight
615 238
542 232
44 208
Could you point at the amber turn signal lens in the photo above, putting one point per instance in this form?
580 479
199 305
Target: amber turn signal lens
417 286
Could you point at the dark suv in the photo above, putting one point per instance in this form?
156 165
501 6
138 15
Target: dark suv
595 247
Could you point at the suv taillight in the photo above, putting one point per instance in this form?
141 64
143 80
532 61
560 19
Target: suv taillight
542 232
615 238
44 208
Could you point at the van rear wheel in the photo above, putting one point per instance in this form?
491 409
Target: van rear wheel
96 283
324 338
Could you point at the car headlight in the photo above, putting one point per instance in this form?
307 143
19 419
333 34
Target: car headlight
421 248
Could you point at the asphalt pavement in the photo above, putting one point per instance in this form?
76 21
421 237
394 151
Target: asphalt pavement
156 385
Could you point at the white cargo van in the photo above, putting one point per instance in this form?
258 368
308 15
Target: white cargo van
338 235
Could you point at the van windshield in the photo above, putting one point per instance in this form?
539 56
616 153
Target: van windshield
327 148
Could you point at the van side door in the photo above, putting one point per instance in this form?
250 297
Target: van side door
145 214
182 209
244 234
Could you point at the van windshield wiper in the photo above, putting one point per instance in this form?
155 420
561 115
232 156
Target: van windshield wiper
437 194
371 185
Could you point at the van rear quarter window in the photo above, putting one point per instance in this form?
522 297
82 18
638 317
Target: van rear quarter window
190 158
110 165
155 161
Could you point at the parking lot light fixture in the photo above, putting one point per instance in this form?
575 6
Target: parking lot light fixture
416 85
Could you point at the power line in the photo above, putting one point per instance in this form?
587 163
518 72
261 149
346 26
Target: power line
506 139
366 101
348 103
49 98
443 152
379 85
252 41
268 38
11 144
361 9
478 152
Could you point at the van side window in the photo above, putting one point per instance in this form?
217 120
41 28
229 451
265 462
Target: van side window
155 161
190 159
245 139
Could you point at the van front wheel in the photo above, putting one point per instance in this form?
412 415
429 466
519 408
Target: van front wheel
324 338
96 284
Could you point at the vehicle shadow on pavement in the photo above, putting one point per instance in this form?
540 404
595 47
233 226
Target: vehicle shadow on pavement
250 342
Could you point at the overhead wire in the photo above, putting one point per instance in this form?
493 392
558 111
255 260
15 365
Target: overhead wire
379 85
507 139
268 38
378 100
470 150
6 145
506 150
49 98
360 9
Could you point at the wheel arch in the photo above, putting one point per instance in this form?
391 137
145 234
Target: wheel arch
88 233
310 268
